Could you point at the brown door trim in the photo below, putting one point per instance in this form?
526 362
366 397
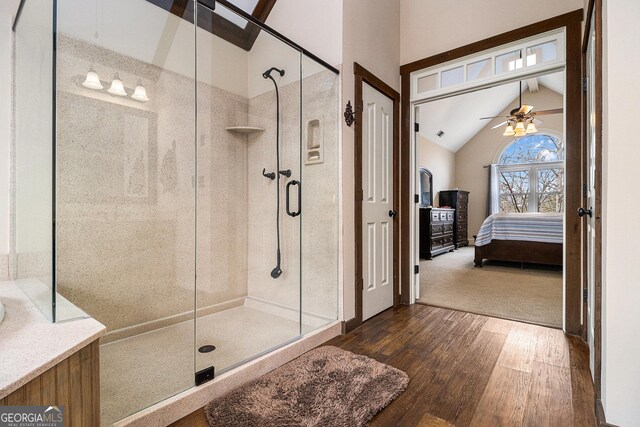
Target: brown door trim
362 75
573 248
594 15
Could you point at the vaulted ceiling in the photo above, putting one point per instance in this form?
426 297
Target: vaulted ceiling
459 116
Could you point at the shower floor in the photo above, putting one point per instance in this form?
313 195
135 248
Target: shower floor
142 370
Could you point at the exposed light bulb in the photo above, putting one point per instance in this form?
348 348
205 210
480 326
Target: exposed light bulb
140 93
117 88
92 81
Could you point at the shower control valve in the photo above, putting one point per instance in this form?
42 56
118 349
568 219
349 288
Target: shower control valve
270 175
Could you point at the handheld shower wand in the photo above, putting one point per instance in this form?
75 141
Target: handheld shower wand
277 270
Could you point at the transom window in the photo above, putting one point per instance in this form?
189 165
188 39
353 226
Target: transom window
539 54
530 175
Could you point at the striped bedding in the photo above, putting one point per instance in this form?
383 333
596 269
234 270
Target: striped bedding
530 227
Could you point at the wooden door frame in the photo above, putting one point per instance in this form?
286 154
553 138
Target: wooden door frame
594 15
572 21
362 75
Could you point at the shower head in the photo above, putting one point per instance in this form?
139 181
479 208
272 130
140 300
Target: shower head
267 73
276 272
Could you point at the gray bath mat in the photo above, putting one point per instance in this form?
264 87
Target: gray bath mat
324 387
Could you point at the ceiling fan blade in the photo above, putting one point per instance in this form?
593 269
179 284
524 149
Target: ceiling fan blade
500 125
493 117
525 109
554 111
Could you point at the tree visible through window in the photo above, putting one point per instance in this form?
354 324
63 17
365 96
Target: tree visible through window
530 175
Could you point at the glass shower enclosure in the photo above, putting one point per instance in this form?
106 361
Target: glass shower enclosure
176 178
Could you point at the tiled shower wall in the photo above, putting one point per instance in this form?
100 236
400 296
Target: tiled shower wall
126 249
309 243
126 192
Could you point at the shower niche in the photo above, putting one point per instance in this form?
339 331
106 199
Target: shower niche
168 263
314 142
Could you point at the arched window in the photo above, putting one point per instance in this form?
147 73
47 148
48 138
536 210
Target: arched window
533 149
530 174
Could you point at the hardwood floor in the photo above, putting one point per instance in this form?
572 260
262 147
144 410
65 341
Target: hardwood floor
471 370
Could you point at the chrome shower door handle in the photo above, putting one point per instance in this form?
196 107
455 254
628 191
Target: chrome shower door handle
289 184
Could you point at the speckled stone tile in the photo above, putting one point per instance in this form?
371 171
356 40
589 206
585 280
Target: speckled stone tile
23 327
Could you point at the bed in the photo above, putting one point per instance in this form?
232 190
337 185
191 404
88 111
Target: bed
521 237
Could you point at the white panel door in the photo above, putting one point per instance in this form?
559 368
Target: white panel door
591 198
377 202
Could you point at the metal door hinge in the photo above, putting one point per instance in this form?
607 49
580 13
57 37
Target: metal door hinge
416 127
416 269
416 198
585 84
584 190
585 295
362 284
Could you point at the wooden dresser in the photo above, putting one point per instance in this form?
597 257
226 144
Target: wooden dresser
436 231
458 200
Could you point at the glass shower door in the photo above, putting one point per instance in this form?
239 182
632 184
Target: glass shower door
248 186
125 193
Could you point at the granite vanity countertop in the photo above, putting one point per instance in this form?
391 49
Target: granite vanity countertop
30 344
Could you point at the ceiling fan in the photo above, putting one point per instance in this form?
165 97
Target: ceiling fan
521 116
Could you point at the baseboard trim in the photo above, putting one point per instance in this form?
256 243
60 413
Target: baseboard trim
350 325
601 419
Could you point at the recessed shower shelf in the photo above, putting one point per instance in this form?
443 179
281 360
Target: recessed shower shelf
245 129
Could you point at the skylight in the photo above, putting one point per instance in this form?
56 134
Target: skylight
246 5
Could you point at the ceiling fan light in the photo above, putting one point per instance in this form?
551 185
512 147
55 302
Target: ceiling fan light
520 126
531 128
509 131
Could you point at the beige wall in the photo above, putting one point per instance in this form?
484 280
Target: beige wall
620 225
441 163
434 26
483 148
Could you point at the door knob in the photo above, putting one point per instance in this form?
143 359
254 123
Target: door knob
582 212
393 214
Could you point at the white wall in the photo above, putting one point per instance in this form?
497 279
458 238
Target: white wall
315 25
8 9
371 35
433 26
621 270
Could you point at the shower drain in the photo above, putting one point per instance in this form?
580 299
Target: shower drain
207 348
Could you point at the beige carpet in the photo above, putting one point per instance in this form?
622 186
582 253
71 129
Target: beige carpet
532 294
324 387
